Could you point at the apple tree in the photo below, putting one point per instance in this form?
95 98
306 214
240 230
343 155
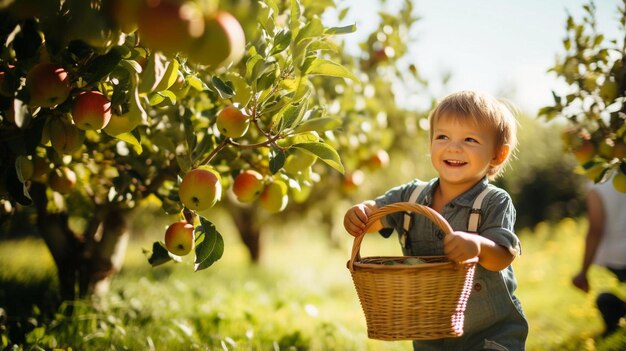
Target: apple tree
108 104
594 104
374 124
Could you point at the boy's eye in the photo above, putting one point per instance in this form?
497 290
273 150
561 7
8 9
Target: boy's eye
471 140
441 137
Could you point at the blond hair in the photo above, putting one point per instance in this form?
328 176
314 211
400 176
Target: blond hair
485 111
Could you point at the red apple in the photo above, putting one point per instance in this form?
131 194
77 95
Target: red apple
91 110
353 180
379 160
232 122
248 185
170 26
222 44
48 85
200 188
274 197
62 179
179 238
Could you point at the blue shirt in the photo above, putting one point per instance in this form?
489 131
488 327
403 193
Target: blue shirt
493 318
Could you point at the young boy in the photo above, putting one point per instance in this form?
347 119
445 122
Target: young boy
472 136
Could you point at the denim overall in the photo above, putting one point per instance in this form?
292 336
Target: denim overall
494 319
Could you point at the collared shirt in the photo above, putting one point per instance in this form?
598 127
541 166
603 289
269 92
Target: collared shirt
493 315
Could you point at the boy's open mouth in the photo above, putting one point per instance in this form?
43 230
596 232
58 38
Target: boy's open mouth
455 163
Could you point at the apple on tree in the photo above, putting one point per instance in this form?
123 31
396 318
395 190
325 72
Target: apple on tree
170 26
91 110
47 84
248 185
64 136
200 188
179 238
274 196
222 44
232 122
62 179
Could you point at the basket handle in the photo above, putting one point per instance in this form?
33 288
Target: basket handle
379 213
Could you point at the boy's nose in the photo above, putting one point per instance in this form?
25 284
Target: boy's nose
454 146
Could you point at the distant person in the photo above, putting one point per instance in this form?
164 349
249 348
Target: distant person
605 245
472 136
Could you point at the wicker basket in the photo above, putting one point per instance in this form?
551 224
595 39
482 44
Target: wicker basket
411 302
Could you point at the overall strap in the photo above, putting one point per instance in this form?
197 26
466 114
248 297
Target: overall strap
407 215
474 218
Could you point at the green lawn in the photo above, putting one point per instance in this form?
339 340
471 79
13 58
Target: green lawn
300 297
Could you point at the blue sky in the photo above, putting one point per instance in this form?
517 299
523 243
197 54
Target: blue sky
500 46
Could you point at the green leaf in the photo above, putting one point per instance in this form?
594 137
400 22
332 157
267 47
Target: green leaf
101 66
129 138
328 68
209 245
312 29
293 113
196 83
319 125
250 65
266 80
341 30
277 160
159 255
294 20
162 97
281 42
325 152
170 75
223 89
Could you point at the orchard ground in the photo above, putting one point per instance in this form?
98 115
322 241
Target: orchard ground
300 297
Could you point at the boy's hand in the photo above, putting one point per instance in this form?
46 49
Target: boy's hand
356 217
461 246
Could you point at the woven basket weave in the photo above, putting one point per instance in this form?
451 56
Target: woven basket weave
411 302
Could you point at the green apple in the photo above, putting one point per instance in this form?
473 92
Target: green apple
222 44
585 152
48 85
619 182
248 185
170 26
200 188
24 167
91 110
232 122
62 179
298 161
64 136
274 197
179 238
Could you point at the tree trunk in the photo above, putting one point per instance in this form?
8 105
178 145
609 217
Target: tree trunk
247 222
85 263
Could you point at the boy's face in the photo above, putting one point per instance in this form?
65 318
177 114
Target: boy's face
461 151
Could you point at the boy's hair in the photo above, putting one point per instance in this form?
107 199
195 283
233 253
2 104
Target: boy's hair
484 110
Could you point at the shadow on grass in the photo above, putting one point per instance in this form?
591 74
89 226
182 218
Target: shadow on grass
25 305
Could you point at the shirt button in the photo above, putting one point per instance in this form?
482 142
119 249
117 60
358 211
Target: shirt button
477 287
440 235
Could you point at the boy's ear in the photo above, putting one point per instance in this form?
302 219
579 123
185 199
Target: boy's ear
501 154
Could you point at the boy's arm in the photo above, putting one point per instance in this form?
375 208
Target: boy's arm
461 246
356 217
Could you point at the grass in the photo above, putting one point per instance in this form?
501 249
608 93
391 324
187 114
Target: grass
300 297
